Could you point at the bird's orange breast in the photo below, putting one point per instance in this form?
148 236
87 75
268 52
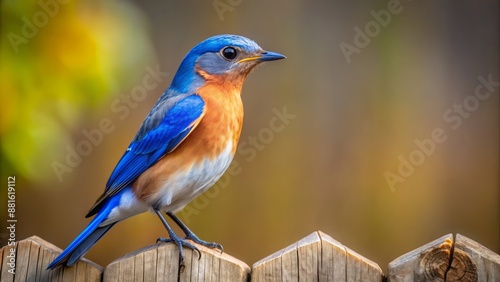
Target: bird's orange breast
219 127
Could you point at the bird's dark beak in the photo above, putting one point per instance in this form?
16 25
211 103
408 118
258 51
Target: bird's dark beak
270 56
264 56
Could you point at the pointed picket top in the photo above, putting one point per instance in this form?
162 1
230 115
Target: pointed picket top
33 255
426 263
316 257
471 259
160 262
446 259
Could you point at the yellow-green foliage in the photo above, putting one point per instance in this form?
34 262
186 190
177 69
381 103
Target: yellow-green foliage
59 61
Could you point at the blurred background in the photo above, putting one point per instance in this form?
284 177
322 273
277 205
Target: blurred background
338 137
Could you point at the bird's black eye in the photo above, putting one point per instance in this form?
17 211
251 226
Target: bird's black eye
229 53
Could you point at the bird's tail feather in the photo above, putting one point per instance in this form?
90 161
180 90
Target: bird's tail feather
89 236
88 243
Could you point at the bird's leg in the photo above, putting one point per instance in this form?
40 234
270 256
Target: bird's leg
174 238
190 235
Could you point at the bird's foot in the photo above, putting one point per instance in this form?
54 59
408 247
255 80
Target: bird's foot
178 241
181 243
191 236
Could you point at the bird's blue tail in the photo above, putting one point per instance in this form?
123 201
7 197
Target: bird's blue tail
89 236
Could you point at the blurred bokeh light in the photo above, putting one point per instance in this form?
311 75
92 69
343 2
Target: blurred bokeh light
352 120
61 63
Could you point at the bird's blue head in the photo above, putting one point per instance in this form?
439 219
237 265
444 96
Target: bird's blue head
220 55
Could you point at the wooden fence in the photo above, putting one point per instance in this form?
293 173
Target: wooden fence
317 257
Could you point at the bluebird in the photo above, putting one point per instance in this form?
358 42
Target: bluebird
183 146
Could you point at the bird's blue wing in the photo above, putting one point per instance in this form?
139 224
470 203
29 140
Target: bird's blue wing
167 130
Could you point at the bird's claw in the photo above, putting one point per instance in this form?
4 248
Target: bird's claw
181 243
211 245
163 240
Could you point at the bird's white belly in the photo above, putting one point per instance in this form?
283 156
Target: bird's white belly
184 186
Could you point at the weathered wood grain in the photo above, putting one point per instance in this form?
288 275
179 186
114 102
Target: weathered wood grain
317 257
34 254
446 259
475 262
427 263
160 262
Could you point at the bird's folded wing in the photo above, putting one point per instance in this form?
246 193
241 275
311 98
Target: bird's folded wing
175 125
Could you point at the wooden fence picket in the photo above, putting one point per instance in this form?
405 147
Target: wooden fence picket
316 257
